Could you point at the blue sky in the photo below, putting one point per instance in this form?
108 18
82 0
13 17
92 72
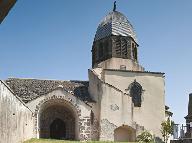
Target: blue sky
52 39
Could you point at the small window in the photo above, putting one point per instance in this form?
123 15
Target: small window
122 67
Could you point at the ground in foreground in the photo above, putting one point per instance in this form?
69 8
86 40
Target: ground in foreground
60 141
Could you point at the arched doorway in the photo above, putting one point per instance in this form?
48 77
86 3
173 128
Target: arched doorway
57 129
124 134
58 120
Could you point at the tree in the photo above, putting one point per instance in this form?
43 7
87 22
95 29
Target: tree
167 129
145 137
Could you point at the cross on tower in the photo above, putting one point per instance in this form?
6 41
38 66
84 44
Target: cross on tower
114 6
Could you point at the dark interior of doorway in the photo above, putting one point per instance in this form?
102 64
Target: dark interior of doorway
57 129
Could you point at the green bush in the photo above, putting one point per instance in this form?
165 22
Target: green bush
145 137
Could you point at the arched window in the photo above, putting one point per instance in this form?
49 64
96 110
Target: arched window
135 92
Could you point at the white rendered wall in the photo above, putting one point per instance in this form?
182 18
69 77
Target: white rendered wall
16 121
115 63
152 110
112 112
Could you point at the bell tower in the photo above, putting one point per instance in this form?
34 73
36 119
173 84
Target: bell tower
115 44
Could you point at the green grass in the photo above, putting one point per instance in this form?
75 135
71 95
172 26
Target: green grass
61 141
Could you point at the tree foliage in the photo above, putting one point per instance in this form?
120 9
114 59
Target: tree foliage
167 129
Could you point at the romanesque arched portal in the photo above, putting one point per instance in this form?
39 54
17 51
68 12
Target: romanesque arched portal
58 119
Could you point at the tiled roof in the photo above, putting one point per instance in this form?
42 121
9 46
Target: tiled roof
30 89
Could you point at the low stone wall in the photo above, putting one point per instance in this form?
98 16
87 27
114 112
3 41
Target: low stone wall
182 141
16 120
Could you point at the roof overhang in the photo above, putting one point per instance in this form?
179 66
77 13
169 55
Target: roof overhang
5 7
147 72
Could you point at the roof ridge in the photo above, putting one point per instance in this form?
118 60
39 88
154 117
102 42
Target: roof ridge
46 79
36 79
79 80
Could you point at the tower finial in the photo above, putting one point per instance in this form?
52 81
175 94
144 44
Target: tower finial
114 6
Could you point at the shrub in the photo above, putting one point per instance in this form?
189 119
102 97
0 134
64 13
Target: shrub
145 137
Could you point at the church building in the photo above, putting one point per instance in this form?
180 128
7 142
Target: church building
118 102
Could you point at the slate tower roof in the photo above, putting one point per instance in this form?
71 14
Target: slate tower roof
115 38
115 23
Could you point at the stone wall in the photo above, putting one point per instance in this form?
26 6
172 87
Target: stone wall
16 120
107 130
61 98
